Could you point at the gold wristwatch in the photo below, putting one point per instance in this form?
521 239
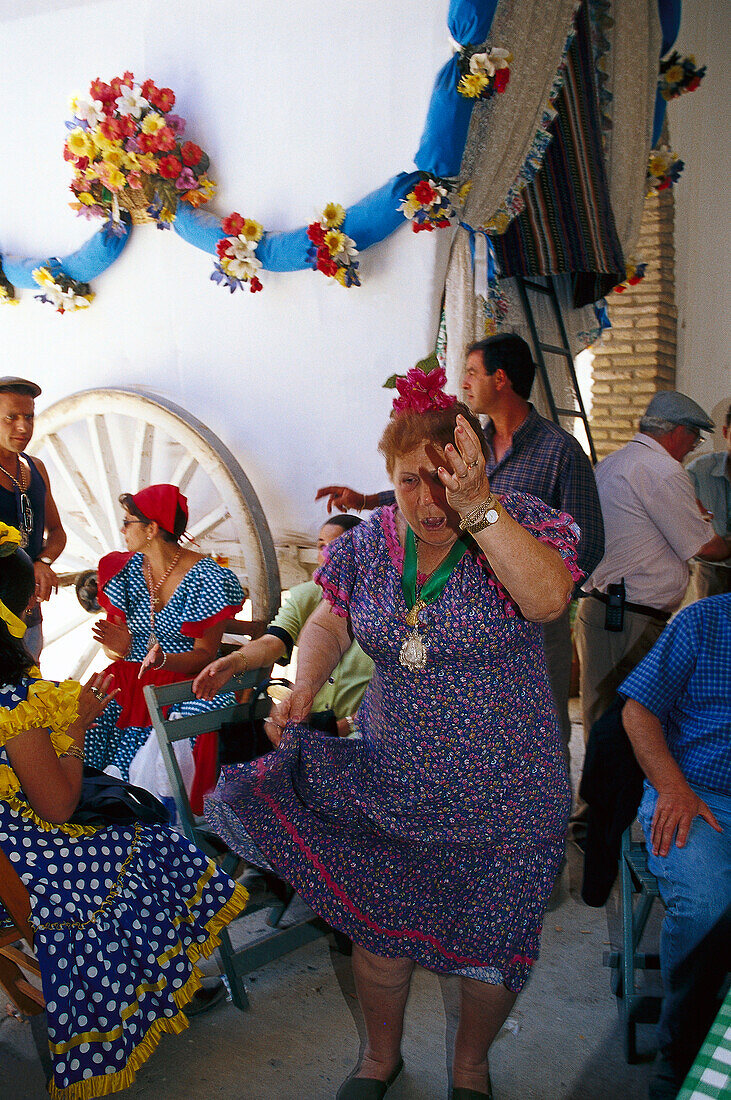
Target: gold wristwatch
485 515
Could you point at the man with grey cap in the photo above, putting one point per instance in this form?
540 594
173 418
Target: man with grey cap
26 501
652 528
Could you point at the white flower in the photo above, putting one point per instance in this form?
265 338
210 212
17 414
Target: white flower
87 111
347 250
500 58
131 102
409 206
481 63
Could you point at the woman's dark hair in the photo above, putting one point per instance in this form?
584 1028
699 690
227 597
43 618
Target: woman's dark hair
406 430
346 522
17 585
127 501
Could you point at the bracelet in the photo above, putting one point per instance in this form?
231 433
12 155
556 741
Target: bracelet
485 515
162 662
75 751
241 655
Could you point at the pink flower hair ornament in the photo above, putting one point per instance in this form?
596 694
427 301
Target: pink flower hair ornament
421 389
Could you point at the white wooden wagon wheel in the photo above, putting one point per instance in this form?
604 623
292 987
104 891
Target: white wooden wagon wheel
103 442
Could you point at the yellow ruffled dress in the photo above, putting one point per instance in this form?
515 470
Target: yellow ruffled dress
121 915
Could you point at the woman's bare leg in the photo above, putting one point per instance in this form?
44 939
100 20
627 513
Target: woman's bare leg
383 988
483 1011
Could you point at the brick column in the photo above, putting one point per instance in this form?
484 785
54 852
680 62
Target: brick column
636 357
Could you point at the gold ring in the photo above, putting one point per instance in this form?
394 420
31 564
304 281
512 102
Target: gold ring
97 693
471 465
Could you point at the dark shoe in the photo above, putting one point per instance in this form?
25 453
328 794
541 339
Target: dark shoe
470 1094
206 997
367 1088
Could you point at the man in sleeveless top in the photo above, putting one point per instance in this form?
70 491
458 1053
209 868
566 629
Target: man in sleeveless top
26 501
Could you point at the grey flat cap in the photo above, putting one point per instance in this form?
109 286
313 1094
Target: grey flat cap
679 409
8 382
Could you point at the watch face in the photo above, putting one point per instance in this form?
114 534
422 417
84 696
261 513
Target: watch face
492 516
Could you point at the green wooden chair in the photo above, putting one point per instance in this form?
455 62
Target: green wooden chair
278 896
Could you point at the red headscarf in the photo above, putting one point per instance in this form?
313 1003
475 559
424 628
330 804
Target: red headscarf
160 502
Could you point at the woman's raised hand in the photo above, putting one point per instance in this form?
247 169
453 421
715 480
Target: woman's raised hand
211 679
94 696
295 707
113 636
466 482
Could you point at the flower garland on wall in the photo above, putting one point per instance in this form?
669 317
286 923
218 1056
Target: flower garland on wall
132 164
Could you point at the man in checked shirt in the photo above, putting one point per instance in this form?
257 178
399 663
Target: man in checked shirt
528 454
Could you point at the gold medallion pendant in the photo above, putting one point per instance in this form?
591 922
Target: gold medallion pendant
413 649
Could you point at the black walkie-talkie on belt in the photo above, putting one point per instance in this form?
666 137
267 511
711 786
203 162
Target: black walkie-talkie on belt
614 617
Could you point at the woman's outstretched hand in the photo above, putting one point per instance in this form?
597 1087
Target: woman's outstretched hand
153 659
113 636
295 707
94 697
211 679
466 482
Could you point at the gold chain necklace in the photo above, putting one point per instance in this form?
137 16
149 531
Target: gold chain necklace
154 590
25 509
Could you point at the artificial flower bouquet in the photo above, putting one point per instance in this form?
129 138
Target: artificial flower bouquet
483 73
128 151
333 252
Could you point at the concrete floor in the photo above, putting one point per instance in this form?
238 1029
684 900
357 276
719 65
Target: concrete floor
301 1036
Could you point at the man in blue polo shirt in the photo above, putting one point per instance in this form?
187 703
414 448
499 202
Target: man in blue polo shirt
678 718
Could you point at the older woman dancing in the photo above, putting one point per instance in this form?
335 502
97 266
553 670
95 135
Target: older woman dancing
436 839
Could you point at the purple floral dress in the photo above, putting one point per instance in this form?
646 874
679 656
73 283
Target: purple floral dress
438 835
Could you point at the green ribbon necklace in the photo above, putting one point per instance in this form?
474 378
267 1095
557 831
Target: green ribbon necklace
413 649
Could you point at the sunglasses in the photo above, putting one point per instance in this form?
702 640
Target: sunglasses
128 522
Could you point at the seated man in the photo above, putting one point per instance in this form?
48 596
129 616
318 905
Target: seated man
678 718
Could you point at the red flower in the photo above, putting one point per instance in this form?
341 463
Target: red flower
127 126
116 86
634 280
82 164
424 192
316 233
165 139
420 391
693 83
501 79
111 129
101 91
148 89
233 224
128 78
170 168
620 289
147 143
419 227
191 153
255 285
667 182
442 223
67 154
325 262
162 98
223 247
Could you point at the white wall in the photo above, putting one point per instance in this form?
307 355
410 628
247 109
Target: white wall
699 130
296 104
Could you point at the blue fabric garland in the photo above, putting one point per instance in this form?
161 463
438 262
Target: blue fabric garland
368 221
670 12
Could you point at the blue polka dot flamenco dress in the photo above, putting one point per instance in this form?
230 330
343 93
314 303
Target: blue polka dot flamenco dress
121 916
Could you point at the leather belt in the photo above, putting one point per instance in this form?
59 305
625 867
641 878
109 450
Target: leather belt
640 608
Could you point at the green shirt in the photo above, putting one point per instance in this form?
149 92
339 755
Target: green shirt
344 690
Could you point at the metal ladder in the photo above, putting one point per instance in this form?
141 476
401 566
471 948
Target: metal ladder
540 346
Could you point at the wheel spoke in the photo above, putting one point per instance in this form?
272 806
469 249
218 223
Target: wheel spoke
183 472
107 477
87 549
67 628
77 485
142 456
209 522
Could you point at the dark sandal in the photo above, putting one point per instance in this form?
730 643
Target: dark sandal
367 1088
461 1093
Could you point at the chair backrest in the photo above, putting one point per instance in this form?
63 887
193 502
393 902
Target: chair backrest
160 699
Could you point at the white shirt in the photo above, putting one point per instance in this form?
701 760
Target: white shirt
652 525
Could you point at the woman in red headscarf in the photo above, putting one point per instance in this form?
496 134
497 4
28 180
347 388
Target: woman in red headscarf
166 607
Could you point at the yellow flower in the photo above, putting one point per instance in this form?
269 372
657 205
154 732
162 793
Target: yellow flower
90 172
251 230
115 180
674 74
115 158
207 186
333 215
339 276
152 123
147 164
103 144
472 84
43 277
86 198
130 161
464 190
334 241
9 538
79 144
